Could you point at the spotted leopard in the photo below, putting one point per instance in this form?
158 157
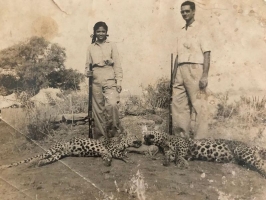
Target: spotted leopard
85 147
218 150
118 145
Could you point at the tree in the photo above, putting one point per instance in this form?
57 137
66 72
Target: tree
65 79
9 83
37 64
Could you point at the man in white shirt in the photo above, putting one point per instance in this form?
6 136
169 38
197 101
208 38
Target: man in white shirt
191 76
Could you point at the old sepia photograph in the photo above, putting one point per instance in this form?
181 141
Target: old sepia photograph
132 100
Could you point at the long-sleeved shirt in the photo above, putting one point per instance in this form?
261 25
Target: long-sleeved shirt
98 54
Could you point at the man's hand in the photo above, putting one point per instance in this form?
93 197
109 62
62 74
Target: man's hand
118 88
203 82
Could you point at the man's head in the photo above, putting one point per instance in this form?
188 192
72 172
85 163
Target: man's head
188 10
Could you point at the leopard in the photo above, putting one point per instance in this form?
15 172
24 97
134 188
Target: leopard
85 147
180 150
118 145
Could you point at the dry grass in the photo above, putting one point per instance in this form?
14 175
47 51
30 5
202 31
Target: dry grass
37 119
248 111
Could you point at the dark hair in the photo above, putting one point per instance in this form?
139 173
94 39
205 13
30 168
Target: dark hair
95 28
189 3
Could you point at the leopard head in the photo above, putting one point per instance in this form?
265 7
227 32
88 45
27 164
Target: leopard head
154 137
131 141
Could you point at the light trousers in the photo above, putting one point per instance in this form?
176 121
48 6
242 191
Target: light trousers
105 102
189 104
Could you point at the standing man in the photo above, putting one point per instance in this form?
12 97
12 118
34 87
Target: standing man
191 76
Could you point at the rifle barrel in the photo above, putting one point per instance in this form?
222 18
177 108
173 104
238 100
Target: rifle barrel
91 120
171 98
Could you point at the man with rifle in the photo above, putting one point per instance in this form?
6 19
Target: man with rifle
190 76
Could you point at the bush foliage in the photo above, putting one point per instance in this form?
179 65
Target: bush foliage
158 95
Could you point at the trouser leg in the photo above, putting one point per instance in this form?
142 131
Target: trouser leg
192 74
180 106
98 110
111 105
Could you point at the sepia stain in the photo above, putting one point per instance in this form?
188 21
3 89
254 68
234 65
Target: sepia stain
217 14
240 11
45 26
92 13
251 13
235 6
263 22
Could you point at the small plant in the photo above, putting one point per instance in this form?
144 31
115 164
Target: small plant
138 186
225 110
134 106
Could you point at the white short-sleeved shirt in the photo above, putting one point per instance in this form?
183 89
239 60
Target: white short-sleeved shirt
192 43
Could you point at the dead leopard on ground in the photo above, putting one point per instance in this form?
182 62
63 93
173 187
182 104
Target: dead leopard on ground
86 147
181 150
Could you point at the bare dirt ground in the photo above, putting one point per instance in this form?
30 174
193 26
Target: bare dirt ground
87 178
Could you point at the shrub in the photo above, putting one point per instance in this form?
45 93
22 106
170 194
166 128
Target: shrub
158 95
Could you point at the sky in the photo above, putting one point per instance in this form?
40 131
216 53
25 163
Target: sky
145 33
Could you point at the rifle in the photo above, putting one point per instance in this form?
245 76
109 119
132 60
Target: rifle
171 99
90 113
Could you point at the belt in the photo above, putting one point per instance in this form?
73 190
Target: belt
189 63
